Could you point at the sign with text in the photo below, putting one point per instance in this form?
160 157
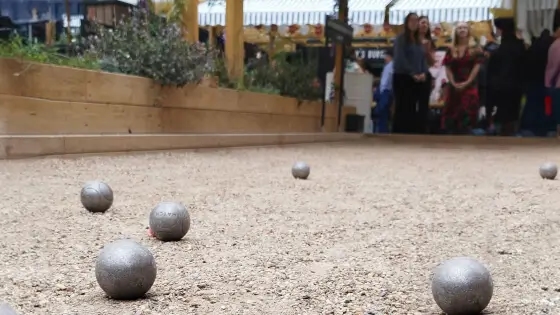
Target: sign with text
370 53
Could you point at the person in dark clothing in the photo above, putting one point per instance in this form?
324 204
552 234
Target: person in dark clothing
534 118
485 111
504 76
552 78
383 96
410 68
425 34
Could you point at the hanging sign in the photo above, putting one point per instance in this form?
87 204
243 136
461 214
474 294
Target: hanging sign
338 31
370 53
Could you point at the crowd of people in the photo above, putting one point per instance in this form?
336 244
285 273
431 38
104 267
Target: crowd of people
486 84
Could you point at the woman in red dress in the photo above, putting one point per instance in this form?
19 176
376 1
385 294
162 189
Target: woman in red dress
462 63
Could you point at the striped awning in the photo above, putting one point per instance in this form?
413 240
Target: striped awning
287 12
540 5
444 10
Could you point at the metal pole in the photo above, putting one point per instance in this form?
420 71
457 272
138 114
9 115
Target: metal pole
341 91
324 82
388 7
339 60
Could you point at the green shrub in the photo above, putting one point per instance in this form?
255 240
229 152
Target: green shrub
149 46
297 79
16 48
221 73
261 78
294 79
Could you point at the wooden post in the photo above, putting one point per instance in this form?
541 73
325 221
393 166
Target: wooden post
271 45
68 29
212 36
189 18
339 58
234 38
49 33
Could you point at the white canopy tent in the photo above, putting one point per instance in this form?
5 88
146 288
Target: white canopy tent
534 16
449 11
287 12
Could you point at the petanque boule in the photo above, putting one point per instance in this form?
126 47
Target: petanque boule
169 221
301 170
6 309
96 196
462 286
125 270
548 171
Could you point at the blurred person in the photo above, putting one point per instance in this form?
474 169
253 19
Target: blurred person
519 34
425 34
534 119
489 45
260 59
552 78
409 74
352 63
505 77
462 64
383 95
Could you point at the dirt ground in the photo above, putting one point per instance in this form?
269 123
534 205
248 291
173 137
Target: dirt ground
361 236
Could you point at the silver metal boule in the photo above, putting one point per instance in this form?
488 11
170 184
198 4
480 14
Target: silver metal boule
125 270
6 309
96 196
301 170
170 221
548 170
462 286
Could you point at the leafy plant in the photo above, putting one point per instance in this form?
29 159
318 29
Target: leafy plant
295 79
149 46
215 2
221 73
175 11
262 77
17 48
298 79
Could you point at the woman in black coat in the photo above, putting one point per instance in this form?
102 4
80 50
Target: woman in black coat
504 77
429 49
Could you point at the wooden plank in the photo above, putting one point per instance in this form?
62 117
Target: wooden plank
75 85
21 115
13 147
178 120
200 97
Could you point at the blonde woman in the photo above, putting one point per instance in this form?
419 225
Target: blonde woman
462 64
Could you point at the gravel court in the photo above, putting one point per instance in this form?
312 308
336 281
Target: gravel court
361 235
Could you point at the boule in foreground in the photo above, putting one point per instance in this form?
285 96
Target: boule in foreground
461 286
125 270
